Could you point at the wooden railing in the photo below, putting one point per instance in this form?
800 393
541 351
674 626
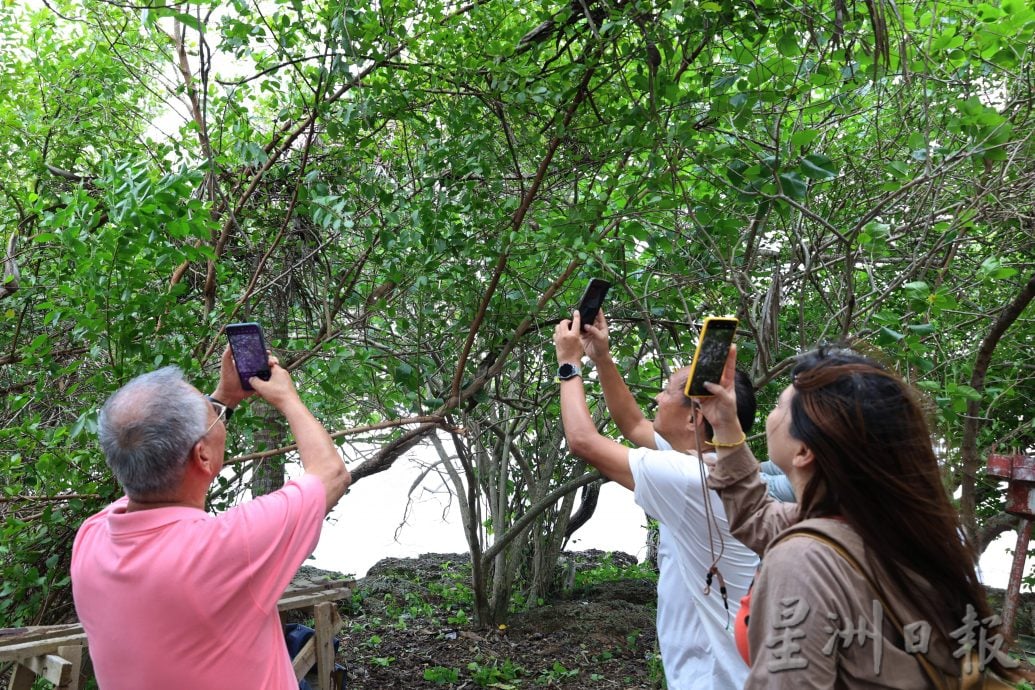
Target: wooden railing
319 600
56 652
53 652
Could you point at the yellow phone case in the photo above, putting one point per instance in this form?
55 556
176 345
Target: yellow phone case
713 347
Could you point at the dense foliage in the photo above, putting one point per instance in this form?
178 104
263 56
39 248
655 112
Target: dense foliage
409 193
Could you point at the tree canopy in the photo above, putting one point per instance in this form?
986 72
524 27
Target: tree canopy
408 194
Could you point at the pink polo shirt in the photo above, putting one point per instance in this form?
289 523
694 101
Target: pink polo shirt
177 599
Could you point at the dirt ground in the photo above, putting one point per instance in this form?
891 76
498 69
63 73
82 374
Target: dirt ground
404 630
601 636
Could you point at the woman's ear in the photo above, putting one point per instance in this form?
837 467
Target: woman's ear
803 458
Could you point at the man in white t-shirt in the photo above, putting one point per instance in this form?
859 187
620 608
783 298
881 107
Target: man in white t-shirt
695 621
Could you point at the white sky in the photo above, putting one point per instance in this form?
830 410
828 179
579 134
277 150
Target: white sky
363 526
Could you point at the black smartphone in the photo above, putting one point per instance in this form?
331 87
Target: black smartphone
710 356
249 350
591 301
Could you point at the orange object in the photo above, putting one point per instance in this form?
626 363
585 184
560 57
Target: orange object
740 628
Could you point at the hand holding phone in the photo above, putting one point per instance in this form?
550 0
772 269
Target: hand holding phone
249 349
710 357
592 299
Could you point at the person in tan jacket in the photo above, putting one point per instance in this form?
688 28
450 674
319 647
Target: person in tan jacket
853 440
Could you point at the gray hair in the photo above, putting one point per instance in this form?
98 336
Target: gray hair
147 429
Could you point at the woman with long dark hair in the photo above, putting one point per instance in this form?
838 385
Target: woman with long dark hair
867 581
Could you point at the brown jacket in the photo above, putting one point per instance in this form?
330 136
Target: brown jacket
815 620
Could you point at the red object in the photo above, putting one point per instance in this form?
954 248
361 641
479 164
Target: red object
1000 466
1020 499
1019 471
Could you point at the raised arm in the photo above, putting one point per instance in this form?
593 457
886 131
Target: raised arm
584 441
754 516
635 427
316 450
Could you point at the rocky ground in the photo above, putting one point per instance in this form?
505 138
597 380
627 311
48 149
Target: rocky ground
407 628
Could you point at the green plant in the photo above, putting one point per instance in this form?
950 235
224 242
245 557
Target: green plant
556 674
440 675
656 671
392 608
494 675
453 596
413 607
382 661
458 618
417 607
609 571
365 623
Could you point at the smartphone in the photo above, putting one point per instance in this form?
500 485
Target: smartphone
710 357
591 300
249 350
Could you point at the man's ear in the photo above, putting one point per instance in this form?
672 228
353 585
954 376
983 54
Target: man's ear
693 417
201 459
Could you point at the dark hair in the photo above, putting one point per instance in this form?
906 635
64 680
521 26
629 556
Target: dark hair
746 404
876 468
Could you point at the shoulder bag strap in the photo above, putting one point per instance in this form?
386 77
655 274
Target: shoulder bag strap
936 678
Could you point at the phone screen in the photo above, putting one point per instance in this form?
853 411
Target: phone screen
710 357
249 350
591 301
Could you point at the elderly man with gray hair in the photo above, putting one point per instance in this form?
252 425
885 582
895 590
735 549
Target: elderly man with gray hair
170 596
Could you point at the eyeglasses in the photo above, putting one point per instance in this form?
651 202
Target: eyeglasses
222 413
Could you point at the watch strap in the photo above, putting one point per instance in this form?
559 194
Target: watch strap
229 410
568 370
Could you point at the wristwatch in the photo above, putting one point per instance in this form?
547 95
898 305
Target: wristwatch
567 370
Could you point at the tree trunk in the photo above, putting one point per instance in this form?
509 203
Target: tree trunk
971 461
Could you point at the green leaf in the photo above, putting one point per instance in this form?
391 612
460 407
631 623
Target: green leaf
818 167
404 373
77 428
967 392
917 289
804 137
187 20
793 185
788 44
877 229
886 336
992 269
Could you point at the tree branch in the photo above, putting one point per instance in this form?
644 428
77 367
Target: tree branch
972 422
534 510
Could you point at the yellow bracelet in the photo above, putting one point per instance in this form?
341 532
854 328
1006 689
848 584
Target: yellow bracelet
742 441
